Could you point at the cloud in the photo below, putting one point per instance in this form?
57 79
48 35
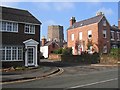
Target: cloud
57 6
106 11
9 4
63 6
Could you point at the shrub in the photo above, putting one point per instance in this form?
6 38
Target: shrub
115 52
65 51
59 51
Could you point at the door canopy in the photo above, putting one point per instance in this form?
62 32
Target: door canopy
30 42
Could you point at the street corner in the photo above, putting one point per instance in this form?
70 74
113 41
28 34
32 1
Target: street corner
30 75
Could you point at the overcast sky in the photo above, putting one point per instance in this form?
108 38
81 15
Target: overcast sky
59 13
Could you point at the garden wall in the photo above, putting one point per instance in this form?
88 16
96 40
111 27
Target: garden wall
85 58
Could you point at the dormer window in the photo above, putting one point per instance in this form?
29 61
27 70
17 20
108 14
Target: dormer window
29 29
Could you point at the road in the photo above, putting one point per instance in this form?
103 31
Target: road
76 77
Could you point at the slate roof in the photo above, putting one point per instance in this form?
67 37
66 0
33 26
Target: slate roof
87 22
114 27
18 15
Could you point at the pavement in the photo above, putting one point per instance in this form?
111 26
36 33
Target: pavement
33 73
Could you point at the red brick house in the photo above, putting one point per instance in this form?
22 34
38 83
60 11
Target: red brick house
20 32
92 34
48 47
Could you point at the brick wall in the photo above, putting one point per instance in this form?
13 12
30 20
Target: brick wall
97 36
84 30
51 48
55 57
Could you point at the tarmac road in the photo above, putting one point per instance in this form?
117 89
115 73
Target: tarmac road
76 77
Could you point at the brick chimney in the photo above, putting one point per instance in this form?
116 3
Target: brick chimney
72 21
119 23
43 40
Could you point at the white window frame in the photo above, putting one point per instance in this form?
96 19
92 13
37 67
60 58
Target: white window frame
105 49
113 33
89 33
11 50
80 35
29 29
72 37
118 36
6 26
105 32
104 23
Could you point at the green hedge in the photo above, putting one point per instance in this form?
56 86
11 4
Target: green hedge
63 51
115 52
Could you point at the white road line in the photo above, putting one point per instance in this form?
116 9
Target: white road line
94 83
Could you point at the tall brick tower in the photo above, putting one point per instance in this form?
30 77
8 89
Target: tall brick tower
55 32
119 23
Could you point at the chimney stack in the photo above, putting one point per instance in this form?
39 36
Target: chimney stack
99 13
119 23
72 21
43 40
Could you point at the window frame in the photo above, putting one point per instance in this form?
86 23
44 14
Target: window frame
104 23
112 33
80 35
11 54
105 32
8 25
118 36
29 26
72 37
89 33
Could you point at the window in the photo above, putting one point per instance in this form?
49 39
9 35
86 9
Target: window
0 26
72 37
89 34
4 26
80 35
19 53
104 34
11 53
8 53
15 27
3 53
73 50
104 22
112 35
9 26
105 49
118 36
14 51
29 29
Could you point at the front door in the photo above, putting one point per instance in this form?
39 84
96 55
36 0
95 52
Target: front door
30 56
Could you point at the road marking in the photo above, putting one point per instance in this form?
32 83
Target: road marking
94 83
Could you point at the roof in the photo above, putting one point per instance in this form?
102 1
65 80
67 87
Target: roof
114 27
18 15
87 21
48 43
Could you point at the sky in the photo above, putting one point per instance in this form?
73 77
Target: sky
59 13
